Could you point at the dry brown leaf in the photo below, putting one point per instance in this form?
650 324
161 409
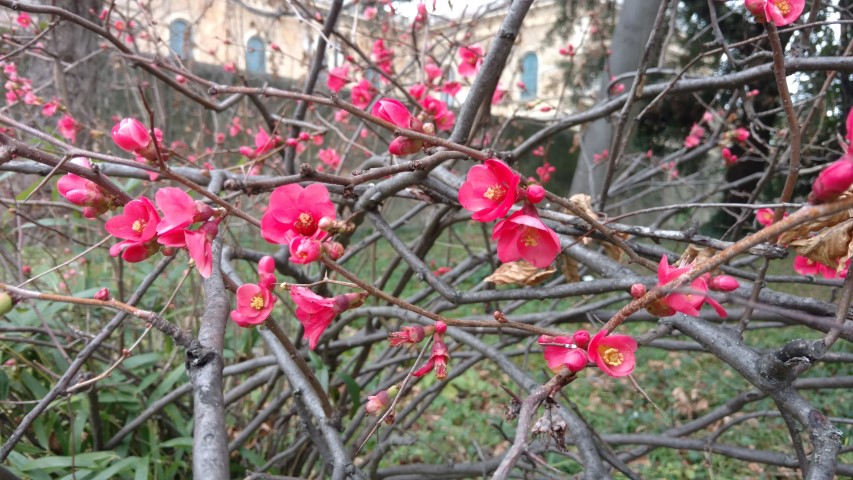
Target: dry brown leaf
569 267
693 253
584 202
827 246
519 273
802 231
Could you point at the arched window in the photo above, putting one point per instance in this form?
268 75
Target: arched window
180 39
530 75
256 56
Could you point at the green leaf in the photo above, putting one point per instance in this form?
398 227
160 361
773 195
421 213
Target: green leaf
4 385
142 467
178 442
354 392
121 465
82 460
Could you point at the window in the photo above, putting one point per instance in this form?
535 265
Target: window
256 56
180 39
530 75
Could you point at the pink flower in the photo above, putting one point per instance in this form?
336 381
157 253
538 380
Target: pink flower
293 208
199 244
255 302
544 172
740 135
489 190
334 250
614 354
230 67
49 108
539 151
392 111
422 13
82 192
370 13
361 94
220 138
451 88
443 117
254 305
417 90
137 226
569 51
849 136
438 359
686 303
690 141
24 20
806 266
499 95
407 336
68 127
304 250
179 209
432 71
316 313
780 12
338 78
470 58
764 216
566 354
728 158
131 136
263 142
832 181
524 236
383 57
330 157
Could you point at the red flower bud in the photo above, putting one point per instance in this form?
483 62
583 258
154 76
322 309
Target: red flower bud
723 283
581 339
832 181
103 295
535 194
638 290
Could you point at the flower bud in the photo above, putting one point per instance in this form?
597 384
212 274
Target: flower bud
334 250
535 194
131 136
638 290
27 270
440 327
376 404
576 359
581 339
304 137
723 283
103 295
832 181
304 250
407 336
326 223
266 265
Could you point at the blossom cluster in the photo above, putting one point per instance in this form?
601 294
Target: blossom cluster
301 218
144 231
613 354
489 191
692 298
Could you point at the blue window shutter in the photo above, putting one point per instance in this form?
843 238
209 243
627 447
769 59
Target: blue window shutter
180 39
530 75
256 56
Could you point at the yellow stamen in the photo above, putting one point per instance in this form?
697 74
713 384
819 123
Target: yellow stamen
495 193
257 302
529 239
138 226
305 219
783 6
612 357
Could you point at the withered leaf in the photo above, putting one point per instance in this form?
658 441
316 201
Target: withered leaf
569 268
805 229
519 273
828 245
